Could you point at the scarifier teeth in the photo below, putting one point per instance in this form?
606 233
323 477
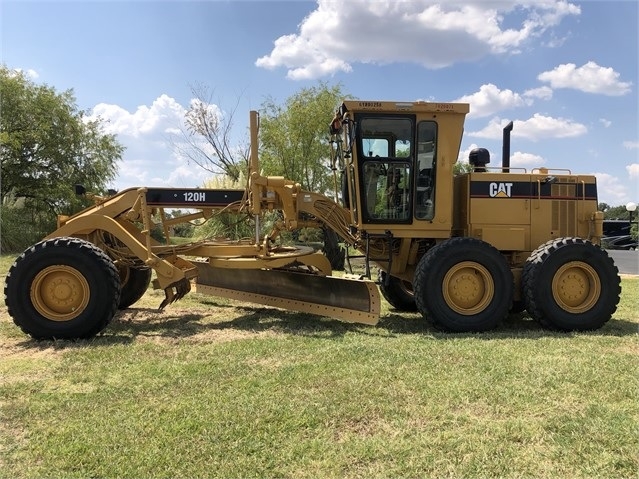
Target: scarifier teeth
175 292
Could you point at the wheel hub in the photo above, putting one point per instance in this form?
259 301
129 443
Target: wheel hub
59 293
576 287
468 288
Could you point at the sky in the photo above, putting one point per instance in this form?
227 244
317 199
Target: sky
565 72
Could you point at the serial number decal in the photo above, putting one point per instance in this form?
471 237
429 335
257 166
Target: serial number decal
445 106
195 196
370 104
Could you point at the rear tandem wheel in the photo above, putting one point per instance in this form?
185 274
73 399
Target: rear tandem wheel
571 284
62 288
464 285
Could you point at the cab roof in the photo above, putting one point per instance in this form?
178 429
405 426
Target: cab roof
406 106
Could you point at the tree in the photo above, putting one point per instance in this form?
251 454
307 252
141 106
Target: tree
461 167
614 212
207 138
294 136
619 213
294 144
46 146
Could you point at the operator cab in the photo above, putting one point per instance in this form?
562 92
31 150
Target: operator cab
396 165
392 155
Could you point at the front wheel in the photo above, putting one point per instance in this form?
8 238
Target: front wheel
464 285
62 288
571 284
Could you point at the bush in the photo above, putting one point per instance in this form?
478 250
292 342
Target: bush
21 227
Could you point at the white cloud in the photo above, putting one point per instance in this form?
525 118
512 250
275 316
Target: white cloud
132 173
526 160
518 159
633 171
610 190
433 34
542 93
490 100
29 73
164 115
463 154
536 128
149 134
589 78
605 122
631 145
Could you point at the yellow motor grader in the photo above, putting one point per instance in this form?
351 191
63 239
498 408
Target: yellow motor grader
462 250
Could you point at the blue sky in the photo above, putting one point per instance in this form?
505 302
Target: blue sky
566 72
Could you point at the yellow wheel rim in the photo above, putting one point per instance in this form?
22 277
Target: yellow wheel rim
468 288
576 287
60 293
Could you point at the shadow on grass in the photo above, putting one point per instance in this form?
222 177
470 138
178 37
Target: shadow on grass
133 323
261 319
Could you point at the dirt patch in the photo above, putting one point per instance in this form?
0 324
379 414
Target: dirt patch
193 323
197 323
17 345
28 348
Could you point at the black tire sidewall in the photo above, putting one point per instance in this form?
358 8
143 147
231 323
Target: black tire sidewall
434 266
134 287
82 256
396 293
560 254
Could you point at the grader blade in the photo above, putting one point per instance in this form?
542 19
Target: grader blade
353 301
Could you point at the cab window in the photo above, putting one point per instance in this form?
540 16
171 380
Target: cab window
425 170
386 144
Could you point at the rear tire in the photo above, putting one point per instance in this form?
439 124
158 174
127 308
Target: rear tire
571 284
397 292
134 283
62 288
464 285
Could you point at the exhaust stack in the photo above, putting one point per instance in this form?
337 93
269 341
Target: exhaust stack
505 151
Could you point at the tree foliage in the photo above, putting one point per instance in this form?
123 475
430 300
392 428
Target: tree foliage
207 139
46 146
621 213
615 212
294 143
461 167
294 136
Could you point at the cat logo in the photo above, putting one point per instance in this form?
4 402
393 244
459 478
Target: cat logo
500 190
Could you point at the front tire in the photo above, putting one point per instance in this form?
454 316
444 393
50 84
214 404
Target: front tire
464 285
62 288
571 284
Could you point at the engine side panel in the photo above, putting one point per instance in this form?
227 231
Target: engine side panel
520 211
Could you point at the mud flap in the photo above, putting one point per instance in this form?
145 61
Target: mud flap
353 301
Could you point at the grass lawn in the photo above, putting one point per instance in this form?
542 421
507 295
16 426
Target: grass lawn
215 388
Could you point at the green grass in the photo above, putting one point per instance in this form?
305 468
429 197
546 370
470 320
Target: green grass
214 388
